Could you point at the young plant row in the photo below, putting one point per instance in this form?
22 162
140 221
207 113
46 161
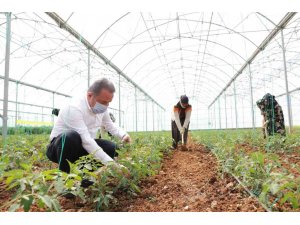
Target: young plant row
34 186
258 164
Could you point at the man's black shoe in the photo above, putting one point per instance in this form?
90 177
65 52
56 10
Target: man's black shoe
69 195
86 183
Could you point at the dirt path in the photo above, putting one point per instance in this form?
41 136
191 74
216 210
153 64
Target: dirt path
189 181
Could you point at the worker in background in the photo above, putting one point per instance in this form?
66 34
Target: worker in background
74 132
103 130
180 120
273 119
55 111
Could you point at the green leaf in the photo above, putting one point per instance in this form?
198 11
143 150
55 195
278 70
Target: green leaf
88 166
59 186
274 188
14 207
69 183
47 200
25 166
26 201
41 204
56 205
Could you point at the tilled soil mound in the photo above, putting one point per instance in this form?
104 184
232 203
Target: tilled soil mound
189 181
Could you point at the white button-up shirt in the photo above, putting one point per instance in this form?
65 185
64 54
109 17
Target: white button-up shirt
78 116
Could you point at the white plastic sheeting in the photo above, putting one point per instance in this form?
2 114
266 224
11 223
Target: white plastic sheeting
167 55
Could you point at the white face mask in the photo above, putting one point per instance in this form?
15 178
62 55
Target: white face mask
182 105
99 108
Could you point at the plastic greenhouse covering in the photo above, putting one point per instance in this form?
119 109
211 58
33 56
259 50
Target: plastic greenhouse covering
207 56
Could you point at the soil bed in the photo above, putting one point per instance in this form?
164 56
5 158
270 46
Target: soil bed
189 181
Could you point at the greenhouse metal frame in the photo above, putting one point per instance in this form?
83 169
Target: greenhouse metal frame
162 58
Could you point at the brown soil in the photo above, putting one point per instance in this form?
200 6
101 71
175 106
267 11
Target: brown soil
291 162
189 181
4 194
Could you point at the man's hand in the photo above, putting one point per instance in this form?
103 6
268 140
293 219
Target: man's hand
182 130
126 139
116 167
121 169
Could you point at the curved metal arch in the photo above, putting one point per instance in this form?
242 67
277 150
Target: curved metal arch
110 27
203 95
50 33
163 42
169 53
282 87
191 60
20 47
188 74
38 62
75 86
256 67
170 21
67 78
56 70
227 28
61 67
266 18
293 73
62 40
54 27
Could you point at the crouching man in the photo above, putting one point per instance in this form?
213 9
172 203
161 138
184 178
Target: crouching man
74 133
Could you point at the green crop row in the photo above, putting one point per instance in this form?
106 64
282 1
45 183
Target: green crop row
27 130
28 175
256 162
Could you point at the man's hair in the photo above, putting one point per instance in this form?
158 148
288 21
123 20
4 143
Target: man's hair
101 84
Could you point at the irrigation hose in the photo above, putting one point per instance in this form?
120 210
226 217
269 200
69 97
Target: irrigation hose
248 191
251 194
62 148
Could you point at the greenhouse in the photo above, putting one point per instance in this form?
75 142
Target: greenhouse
224 63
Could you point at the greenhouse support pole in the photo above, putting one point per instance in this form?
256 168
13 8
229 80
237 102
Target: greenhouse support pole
235 106
42 114
158 119
289 108
291 103
53 108
119 100
6 74
16 113
89 68
251 96
208 111
211 116
197 124
220 125
136 115
153 114
243 114
225 101
215 117
146 115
